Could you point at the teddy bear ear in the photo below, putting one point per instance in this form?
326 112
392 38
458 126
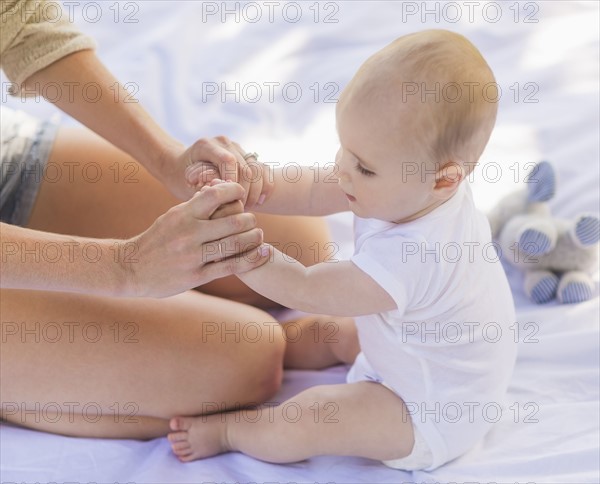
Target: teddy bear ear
541 183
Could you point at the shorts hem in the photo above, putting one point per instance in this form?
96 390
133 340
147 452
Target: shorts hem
29 154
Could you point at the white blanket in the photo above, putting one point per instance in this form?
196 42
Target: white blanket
181 57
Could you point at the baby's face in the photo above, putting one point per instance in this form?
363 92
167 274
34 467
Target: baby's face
380 168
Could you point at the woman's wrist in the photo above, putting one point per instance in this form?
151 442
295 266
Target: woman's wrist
166 164
111 268
164 160
126 260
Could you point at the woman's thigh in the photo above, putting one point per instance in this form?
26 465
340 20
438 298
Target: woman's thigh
92 189
82 355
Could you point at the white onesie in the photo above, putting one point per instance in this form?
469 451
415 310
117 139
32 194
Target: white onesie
448 350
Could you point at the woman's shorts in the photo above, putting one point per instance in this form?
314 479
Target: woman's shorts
25 146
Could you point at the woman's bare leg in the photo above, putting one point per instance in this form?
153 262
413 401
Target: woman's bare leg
317 342
92 189
107 367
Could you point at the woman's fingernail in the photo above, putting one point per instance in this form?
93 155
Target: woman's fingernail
264 250
261 199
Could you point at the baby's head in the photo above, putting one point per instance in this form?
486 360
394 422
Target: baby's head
412 124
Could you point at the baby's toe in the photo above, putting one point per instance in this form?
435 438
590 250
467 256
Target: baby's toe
180 423
187 457
177 437
181 448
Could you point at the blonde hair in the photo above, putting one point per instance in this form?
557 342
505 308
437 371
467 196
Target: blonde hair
456 97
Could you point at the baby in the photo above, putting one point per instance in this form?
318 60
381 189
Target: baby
431 301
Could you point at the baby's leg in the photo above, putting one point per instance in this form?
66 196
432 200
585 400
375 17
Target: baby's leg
363 419
317 342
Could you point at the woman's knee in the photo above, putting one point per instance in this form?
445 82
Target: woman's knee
248 355
261 359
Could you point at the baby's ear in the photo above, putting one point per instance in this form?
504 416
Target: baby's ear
448 178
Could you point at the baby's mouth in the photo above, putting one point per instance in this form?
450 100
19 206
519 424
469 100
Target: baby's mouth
348 196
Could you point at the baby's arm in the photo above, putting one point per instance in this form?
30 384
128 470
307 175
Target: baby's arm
335 288
303 191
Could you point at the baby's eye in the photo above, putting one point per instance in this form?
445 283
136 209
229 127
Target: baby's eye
364 171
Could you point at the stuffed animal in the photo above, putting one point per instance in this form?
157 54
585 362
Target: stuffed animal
556 255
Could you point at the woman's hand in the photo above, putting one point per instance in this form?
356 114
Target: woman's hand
186 171
184 248
130 128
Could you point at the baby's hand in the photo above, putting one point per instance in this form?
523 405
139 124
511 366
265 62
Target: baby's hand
254 176
201 174
230 208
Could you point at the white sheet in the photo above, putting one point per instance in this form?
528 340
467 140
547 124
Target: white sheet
171 51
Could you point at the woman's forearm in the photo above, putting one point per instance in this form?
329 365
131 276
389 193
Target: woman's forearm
181 250
90 93
51 262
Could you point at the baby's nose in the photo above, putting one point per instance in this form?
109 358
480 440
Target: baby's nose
343 177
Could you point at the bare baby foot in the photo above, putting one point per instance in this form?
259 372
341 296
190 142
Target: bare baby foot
198 437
